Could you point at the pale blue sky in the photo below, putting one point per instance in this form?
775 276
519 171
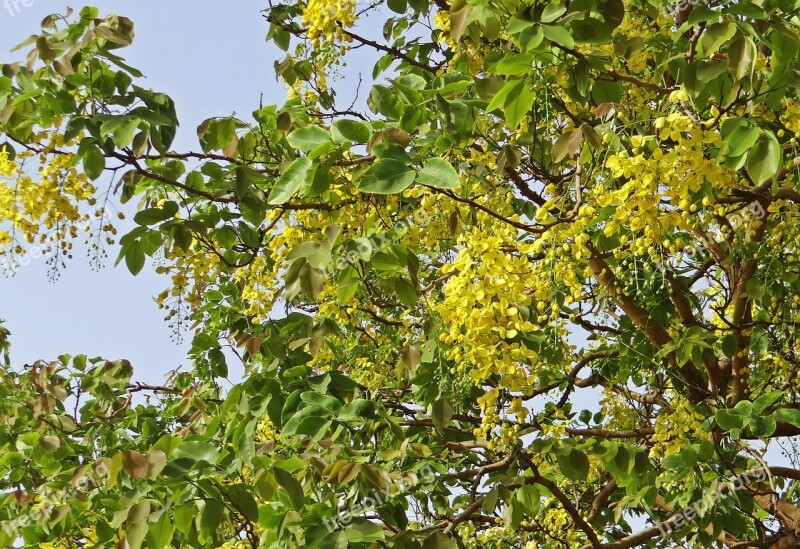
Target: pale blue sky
212 58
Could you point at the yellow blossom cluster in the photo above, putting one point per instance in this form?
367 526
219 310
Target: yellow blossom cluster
674 166
45 209
555 425
489 301
676 427
191 272
236 544
89 538
441 21
375 371
326 22
257 282
773 370
324 19
266 432
557 523
489 416
7 170
467 51
619 412
494 534
791 116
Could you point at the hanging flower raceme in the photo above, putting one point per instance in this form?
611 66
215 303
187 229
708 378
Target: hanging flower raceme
327 22
44 205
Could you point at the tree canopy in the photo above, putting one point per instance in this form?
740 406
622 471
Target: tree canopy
538 286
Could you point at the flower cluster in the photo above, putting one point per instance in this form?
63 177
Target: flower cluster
326 22
46 209
676 427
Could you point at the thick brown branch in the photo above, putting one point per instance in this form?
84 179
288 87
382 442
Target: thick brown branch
605 433
597 355
657 335
743 312
568 506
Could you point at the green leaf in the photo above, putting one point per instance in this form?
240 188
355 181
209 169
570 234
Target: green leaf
559 35
530 38
624 460
406 292
398 6
714 36
744 408
290 181
334 540
439 540
439 173
213 514
442 414
94 163
124 134
387 176
308 138
329 403
281 38
315 415
136 524
789 415
515 63
764 160
510 89
311 281
728 420
134 257
762 427
604 91
552 12
742 139
242 496
198 451
161 532
292 487
363 531
7 148
357 409
184 516
729 346
151 216
683 460
741 54
512 514
458 23
518 106
574 464
530 499
352 130
765 401
383 100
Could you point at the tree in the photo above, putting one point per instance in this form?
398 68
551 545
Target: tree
541 290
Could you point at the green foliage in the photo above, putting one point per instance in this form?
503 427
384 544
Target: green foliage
541 204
